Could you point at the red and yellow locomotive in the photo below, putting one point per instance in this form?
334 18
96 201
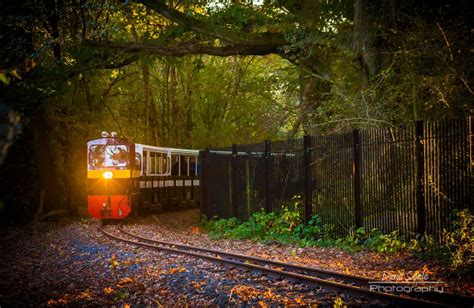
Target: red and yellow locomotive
124 177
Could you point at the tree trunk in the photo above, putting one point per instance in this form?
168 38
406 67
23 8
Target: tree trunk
175 108
189 108
54 8
362 41
49 181
166 106
151 117
368 20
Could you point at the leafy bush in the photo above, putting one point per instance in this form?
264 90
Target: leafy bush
287 227
391 243
460 241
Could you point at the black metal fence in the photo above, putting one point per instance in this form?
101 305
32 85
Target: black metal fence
409 178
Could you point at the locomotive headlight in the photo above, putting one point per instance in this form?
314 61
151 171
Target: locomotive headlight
108 175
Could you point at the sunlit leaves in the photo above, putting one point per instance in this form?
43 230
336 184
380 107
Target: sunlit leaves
4 78
108 290
338 303
175 270
114 74
114 262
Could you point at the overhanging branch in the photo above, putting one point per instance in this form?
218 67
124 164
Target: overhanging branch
108 64
185 48
208 29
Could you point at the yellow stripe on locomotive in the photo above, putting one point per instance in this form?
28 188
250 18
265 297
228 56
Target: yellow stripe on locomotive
116 174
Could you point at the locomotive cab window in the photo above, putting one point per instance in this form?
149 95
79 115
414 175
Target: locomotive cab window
108 156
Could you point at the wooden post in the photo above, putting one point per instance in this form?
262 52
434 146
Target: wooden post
356 177
308 193
420 172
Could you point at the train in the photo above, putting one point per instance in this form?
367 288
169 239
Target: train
127 179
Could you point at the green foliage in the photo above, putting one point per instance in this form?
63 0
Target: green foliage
390 243
287 227
460 241
120 295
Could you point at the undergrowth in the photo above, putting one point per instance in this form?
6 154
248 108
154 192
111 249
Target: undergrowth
286 227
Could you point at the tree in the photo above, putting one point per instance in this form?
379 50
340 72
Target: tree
316 36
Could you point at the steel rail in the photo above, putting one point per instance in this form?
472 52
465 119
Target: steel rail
293 276
245 258
446 298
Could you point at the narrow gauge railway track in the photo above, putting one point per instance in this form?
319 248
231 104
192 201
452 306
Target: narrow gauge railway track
334 281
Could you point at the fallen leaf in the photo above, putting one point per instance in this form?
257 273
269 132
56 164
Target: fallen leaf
195 230
124 281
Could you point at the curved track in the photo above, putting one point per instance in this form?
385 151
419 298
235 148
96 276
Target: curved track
334 281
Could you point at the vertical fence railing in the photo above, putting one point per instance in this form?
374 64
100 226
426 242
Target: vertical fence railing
408 178
308 195
233 190
268 176
356 177
420 172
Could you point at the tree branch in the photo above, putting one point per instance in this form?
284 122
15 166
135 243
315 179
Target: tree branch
187 48
226 35
108 64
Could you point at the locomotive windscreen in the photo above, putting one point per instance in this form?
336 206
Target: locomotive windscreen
108 155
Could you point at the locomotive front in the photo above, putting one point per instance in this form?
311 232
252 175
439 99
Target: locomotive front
110 177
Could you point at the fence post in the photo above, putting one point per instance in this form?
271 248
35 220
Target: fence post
233 182
204 156
420 172
308 196
268 176
356 177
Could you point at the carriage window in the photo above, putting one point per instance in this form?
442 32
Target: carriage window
145 159
138 161
184 165
187 166
181 165
107 156
152 163
192 166
165 163
162 163
158 163
175 165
